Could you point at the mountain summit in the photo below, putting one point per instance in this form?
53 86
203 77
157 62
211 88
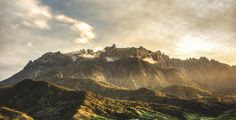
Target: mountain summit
130 68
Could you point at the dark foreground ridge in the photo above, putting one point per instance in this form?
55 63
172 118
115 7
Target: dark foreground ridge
45 101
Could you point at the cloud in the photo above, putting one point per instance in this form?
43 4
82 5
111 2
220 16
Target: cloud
84 30
30 45
208 26
33 13
36 15
166 25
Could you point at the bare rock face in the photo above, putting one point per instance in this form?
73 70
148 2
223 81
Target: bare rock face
131 68
216 75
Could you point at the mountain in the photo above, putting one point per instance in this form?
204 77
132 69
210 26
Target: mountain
130 68
218 76
45 101
107 90
120 83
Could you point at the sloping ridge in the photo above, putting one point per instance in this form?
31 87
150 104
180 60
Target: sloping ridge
186 92
10 114
113 92
42 100
45 101
210 108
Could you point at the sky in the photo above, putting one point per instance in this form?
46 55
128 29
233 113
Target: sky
179 28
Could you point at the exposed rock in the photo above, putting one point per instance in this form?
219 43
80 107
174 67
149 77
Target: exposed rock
131 68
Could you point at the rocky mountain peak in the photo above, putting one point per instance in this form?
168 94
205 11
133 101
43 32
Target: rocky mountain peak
108 49
129 52
129 67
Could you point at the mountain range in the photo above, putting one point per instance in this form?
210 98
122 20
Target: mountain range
119 83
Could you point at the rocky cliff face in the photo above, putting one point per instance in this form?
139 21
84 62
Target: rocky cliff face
218 76
130 68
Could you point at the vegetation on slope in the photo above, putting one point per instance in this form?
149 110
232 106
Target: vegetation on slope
10 114
45 101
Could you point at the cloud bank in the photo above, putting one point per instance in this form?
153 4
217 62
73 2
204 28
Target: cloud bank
33 13
84 30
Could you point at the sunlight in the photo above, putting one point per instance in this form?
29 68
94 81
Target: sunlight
192 45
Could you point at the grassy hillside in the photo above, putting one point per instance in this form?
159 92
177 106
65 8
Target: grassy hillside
45 101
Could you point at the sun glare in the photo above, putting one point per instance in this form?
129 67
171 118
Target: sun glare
193 45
